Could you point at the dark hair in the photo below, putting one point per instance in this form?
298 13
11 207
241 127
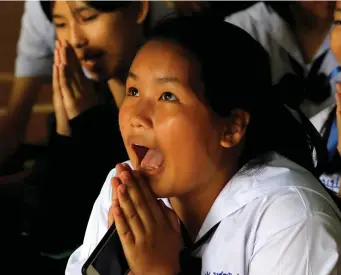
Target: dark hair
104 6
236 73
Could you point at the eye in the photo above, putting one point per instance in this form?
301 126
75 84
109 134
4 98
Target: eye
337 22
168 96
59 25
89 18
132 92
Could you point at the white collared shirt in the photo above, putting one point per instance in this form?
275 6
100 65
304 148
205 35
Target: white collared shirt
36 43
275 220
275 35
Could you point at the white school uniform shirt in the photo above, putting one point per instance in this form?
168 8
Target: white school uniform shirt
36 43
275 220
35 47
275 35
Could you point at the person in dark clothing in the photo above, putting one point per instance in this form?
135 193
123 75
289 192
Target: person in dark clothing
84 140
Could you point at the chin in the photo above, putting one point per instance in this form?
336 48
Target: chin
97 76
161 189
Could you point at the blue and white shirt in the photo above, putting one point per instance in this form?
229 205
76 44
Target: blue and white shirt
275 35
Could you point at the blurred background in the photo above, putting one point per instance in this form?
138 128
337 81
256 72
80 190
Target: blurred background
10 18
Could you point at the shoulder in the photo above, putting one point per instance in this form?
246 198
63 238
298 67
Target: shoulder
296 202
291 227
33 11
283 194
251 18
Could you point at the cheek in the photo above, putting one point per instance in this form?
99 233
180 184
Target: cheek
122 119
98 39
185 140
108 34
62 35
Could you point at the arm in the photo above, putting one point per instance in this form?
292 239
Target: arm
13 125
73 173
33 68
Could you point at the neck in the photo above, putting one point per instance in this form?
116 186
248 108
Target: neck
309 33
117 88
193 208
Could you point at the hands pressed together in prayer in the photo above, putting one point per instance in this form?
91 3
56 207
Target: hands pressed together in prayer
149 231
73 92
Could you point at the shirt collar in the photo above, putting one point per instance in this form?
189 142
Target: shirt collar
281 32
247 186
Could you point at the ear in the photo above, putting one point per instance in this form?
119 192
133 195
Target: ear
234 128
143 12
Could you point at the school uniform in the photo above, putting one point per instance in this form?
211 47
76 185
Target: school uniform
273 220
274 34
331 179
36 43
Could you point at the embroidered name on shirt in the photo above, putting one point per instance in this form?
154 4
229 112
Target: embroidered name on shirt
219 273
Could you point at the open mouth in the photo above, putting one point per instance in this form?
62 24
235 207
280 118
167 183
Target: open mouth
90 61
92 56
149 159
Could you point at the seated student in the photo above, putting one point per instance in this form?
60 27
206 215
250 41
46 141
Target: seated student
33 68
296 37
82 147
227 157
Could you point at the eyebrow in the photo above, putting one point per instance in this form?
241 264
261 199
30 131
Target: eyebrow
57 16
163 79
80 9
338 9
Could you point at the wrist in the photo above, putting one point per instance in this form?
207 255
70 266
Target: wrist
63 131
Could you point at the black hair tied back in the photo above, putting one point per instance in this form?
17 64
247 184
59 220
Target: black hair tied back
236 72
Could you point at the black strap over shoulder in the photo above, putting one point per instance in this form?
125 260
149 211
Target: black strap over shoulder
191 265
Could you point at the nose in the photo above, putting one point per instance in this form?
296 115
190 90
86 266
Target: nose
77 37
141 118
